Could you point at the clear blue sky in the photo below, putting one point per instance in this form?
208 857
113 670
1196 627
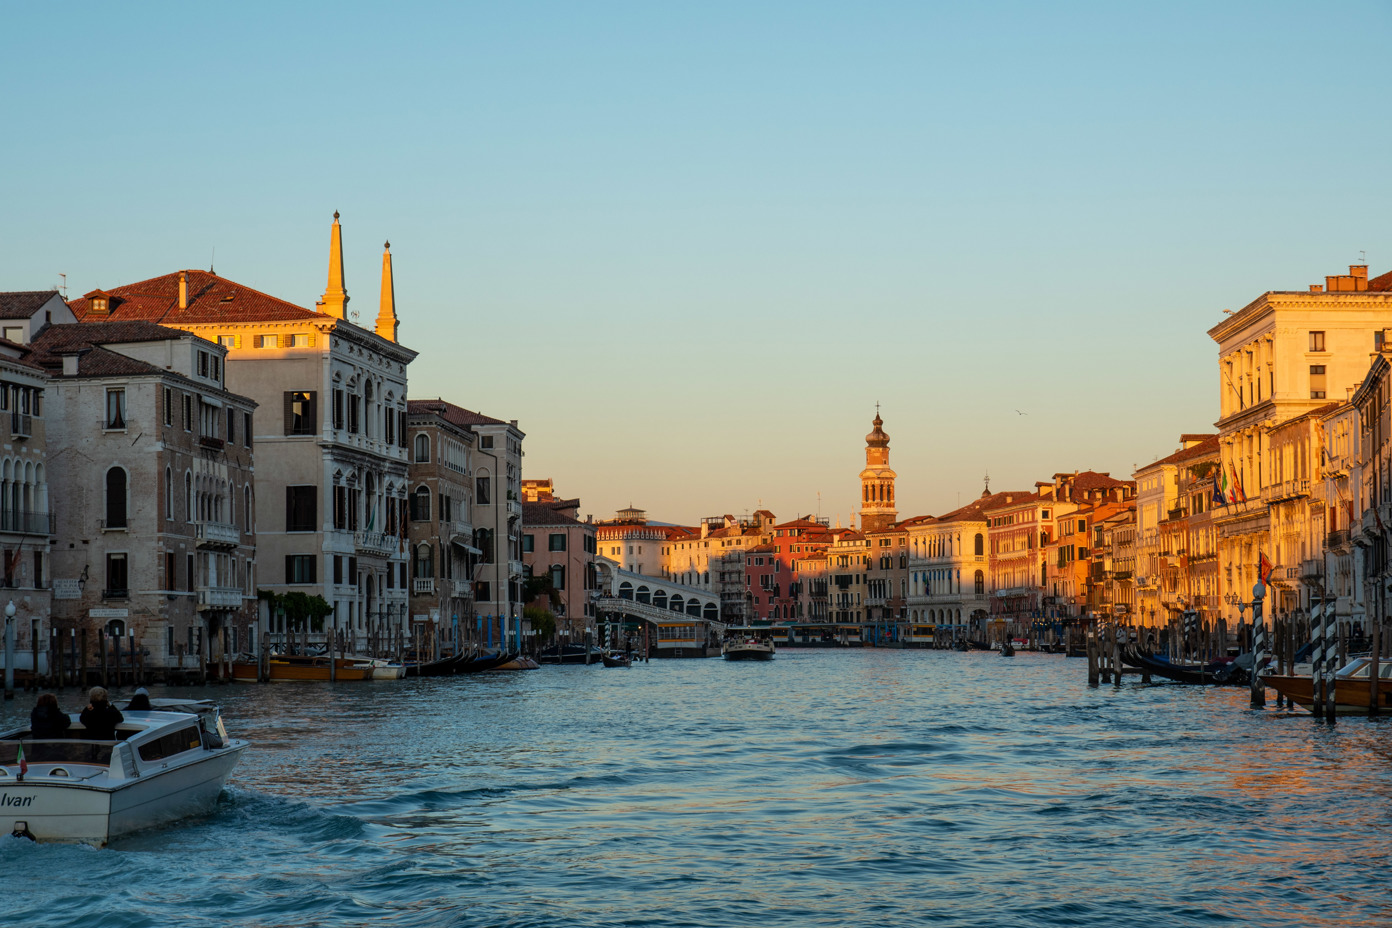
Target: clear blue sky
690 246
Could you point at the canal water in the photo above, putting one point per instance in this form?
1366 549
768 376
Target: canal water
827 788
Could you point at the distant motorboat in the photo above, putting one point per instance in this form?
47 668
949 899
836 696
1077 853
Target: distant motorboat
571 654
747 648
164 765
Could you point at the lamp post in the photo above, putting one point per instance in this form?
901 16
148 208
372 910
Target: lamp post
9 649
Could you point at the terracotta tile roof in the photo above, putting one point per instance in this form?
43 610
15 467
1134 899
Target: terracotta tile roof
22 304
1009 500
547 514
761 549
1381 282
1204 448
914 521
975 511
451 413
211 299
1093 480
94 360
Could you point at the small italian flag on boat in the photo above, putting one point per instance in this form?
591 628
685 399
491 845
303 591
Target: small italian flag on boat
23 764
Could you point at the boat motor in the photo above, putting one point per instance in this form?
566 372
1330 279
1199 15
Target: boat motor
21 830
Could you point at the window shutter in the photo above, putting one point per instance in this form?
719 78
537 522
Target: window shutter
236 341
289 412
311 339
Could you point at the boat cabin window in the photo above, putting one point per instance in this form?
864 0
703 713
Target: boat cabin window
57 752
185 739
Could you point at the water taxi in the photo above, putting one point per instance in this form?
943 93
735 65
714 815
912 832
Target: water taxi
747 647
1353 689
164 765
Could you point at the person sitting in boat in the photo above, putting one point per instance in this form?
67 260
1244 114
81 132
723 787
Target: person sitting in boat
100 718
140 702
47 720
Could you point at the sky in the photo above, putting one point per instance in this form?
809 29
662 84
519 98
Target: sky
689 247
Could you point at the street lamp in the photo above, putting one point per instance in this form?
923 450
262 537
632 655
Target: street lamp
9 650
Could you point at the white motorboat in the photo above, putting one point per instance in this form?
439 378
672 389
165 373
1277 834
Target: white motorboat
747 648
165 764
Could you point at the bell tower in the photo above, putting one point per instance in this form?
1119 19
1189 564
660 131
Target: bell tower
877 510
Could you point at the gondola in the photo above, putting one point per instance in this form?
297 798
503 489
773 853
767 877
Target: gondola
440 668
485 662
1216 673
617 660
1007 649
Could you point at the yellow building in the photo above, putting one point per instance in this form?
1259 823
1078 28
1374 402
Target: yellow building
1281 356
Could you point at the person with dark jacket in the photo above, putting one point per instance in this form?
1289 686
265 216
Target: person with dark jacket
100 718
140 702
47 720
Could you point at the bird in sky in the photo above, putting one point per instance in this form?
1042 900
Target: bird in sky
1021 413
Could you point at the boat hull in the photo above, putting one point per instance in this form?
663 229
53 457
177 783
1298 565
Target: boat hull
747 651
1351 696
69 811
296 671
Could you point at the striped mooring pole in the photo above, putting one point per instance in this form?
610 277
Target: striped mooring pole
1258 646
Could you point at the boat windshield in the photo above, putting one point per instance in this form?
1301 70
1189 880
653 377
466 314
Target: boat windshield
65 751
1362 668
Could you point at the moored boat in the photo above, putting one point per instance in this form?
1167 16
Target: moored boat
164 765
1353 688
571 654
295 668
616 659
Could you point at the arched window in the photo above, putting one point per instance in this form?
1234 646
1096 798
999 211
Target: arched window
660 599
710 613
980 545
642 596
116 498
425 562
625 590
980 583
677 604
420 504
422 449
693 607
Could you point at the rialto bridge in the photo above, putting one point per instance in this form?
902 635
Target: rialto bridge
671 619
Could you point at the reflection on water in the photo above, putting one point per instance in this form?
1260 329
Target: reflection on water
824 788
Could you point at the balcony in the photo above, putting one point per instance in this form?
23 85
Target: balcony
116 593
514 509
219 597
1338 542
1312 570
26 523
462 589
21 425
217 535
423 586
211 443
375 544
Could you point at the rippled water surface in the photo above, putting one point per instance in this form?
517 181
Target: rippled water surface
826 788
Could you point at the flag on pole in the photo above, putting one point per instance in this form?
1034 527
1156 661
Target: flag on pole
1220 496
1239 495
23 764
1263 568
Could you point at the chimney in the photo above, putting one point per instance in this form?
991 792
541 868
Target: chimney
70 365
1316 288
1359 273
183 289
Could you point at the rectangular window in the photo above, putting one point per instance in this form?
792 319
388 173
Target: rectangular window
116 408
484 591
227 341
338 409
266 341
246 429
170 582
1316 341
482 496
231 426
557 542
486 441
168 406
216 363
116 583
1317 386
169 639
189 575
338 568
188 412
558 577
528 544
354 408
202 364
401 427
300 515
300 418
299 568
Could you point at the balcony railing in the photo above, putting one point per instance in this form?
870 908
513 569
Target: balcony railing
213 534
375 544
1339 539
219 597
462 589
423 585
211 443
116 593
27 523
